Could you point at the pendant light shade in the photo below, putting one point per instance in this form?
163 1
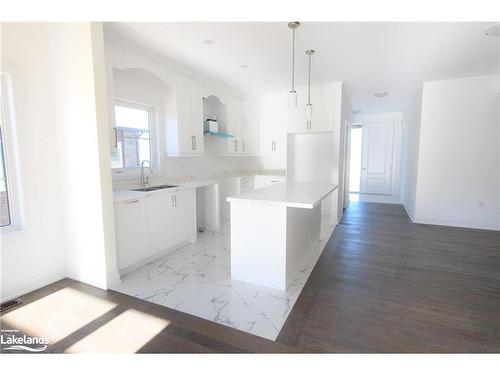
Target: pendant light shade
309 108
292 95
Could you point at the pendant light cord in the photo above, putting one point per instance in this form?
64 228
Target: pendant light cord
309 93
293 60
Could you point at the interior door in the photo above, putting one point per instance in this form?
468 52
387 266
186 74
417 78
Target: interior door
376 164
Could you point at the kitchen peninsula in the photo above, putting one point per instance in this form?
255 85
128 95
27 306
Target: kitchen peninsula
273 230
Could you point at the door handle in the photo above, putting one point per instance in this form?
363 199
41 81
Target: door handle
134 201
116 138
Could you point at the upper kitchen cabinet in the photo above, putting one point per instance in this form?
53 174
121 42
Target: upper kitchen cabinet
322 100
250 128
234 119
184 128
272 125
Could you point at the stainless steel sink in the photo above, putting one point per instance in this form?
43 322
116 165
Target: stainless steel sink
153 188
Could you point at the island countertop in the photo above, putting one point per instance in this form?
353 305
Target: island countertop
289 194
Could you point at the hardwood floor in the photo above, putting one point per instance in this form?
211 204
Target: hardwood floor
382 284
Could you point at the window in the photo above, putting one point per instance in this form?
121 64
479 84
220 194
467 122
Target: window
133 135
5 215
10 218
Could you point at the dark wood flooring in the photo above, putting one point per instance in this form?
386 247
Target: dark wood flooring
382 284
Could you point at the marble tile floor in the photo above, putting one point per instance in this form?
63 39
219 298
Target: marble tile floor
196 279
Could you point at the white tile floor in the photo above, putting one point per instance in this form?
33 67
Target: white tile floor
196 279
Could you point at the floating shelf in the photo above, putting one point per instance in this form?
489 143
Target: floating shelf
219 134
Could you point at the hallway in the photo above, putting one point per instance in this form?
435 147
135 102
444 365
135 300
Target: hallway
384 284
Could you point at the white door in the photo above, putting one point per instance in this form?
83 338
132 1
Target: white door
376 164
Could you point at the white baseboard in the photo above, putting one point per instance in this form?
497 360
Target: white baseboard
408 212
457 224
33 285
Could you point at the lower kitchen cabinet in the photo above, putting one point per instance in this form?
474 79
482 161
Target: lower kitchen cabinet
131 232
148 226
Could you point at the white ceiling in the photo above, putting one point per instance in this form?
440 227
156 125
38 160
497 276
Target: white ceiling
368 57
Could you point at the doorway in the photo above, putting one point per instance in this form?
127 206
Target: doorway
355 158
371 161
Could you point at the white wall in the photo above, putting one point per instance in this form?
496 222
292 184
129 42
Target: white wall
80 101
409 154
396 118
57 73
458 180
35 255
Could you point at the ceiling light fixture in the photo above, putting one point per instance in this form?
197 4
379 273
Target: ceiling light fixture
309 109
493 30
381 94
292 95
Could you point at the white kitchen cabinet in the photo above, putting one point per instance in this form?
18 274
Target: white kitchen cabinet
272 125
161 222
250 128
322 99
234 118
184 125
131 232
185 215
148 226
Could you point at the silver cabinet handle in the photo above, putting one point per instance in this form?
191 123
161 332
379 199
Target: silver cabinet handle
194 142
172 201
309 124
175 200
116 138
243 146
236 145
134 201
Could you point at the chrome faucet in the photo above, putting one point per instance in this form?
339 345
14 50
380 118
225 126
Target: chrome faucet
144 178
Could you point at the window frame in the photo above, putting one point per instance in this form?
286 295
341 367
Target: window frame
153 139
11 156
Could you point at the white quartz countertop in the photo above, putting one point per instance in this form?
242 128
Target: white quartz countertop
290 194
126 195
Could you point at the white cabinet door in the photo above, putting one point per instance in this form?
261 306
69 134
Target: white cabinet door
234 118
323 114
250 128
161 219
131 232
272 130
190 116
322 100
185 215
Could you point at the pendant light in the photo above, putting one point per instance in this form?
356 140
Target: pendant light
292 95
309 109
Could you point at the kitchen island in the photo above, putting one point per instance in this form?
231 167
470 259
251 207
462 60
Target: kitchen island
273 229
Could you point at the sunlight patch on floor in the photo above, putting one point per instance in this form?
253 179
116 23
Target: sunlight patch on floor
126 333
57 315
